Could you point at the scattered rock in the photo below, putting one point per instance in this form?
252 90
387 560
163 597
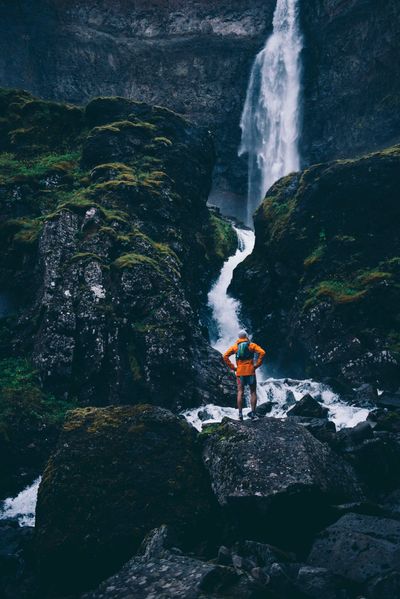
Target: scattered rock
309 407
383 419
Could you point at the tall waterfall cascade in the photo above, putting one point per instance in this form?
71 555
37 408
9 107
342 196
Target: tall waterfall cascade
270 120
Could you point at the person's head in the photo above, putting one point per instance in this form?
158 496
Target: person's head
243 334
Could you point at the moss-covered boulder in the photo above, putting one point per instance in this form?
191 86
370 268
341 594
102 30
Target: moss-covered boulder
323 284
118 472
108 249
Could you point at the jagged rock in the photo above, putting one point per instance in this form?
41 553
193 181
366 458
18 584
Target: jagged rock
321 428
375 459
117 473
391 504
161 572
117 258
274 479
264 409
311 286
309 407
348 437
383 419
358 548
319 582
365 396
389 400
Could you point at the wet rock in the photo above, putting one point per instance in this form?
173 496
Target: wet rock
391 504
358 548
383 419
17 571
389 400
365 396
320 582
274 480
117 473
264 408
309 407
347 437
384 586
321 428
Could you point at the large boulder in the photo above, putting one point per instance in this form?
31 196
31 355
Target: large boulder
274 479
358 547
118 472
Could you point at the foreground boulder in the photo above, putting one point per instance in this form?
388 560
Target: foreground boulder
118 472
275 480
360 548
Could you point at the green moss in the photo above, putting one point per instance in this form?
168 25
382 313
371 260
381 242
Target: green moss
19 170
26 230
163 140
315 256
22 401
132 260
85 257
340 292
134 365
370 277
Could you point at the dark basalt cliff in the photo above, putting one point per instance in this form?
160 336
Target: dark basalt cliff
192 56
195 57
322 285
107 249
351 77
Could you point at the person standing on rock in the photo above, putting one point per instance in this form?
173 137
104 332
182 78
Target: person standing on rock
245 369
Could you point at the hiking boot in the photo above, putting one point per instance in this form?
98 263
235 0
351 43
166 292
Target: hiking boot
241 417
253 416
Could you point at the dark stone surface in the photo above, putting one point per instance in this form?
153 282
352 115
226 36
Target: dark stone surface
118 472
165 573
117 255
192 56
326 255
358 548
351 82
309 407
17 573
274 480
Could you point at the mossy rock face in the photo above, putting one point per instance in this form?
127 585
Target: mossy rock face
323 284
109 249
118 473
29 423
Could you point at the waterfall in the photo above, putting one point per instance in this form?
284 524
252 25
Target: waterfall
270 120
270 131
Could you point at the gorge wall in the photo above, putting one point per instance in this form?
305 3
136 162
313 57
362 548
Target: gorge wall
195 57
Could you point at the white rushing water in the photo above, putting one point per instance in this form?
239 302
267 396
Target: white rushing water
270 131
22 506
270 120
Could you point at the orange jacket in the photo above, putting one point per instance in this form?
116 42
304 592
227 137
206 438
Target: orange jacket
244 367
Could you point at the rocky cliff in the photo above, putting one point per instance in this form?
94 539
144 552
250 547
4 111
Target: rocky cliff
351 77
195 58
322 285
107 250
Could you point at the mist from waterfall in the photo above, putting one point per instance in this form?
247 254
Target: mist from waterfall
270 120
